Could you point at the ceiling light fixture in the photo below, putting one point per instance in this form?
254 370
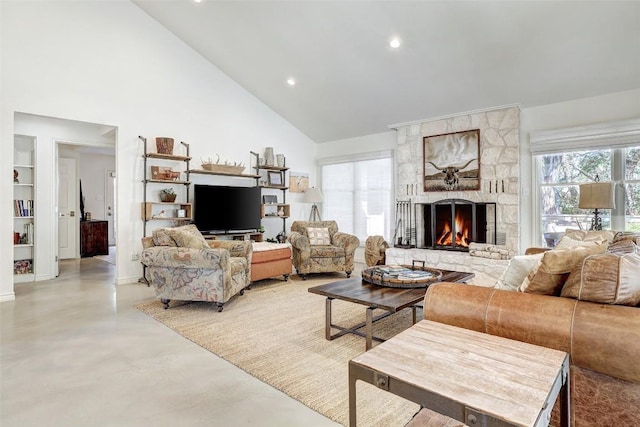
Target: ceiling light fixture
291 81
395 43
198 1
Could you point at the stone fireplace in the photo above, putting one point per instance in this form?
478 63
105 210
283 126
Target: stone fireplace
499 193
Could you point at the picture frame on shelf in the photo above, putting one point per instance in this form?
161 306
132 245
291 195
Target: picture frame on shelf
275 178
270 199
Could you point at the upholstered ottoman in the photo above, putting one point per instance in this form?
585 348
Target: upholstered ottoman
270 260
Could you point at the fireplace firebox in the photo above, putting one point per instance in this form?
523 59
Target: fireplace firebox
452 224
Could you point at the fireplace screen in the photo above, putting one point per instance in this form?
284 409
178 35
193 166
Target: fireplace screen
453 224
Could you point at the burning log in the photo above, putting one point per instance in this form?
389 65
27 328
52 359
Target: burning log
443 238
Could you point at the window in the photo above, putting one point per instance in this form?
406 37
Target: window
631 184
566 158
358 194
560 176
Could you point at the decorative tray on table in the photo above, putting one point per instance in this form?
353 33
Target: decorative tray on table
401 276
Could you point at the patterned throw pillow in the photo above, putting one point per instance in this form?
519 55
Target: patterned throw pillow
318 236
623 247
161 237
188 236
623 236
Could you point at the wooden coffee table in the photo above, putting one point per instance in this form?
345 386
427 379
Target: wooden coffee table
473 377
373 296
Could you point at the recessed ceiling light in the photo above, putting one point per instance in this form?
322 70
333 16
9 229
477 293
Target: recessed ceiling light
291 81
198 1
394 43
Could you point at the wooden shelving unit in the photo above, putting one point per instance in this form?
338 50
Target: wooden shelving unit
152 210
265 209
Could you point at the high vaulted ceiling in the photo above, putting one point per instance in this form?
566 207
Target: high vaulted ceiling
455 56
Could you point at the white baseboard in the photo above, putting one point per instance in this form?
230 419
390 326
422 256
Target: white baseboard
127 280
8 297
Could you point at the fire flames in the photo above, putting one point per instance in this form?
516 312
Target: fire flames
462 237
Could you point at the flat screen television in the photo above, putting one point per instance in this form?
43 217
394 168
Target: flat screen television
222 209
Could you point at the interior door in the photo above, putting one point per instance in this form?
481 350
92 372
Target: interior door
68 224
110 207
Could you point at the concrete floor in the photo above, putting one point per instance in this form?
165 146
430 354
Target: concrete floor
75 352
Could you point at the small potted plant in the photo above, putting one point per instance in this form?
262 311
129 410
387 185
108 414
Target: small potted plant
167 195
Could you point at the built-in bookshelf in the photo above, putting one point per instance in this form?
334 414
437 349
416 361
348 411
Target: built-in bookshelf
24 208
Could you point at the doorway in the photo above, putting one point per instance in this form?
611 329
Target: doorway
95 205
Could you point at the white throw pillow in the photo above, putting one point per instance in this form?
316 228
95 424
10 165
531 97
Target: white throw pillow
517 270
318 236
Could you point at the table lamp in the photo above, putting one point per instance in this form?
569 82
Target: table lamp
597 195
313 195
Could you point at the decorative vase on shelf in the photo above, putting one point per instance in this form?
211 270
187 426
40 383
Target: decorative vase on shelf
280 160
268 156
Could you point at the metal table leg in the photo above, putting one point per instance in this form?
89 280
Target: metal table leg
565 404
327 319
369 328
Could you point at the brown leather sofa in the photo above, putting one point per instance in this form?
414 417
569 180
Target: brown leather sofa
603 342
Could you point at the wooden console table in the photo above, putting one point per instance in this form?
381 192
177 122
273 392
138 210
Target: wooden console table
476 378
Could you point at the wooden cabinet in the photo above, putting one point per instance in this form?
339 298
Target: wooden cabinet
94 238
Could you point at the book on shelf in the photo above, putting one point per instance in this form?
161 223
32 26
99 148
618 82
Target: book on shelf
22 207
28 228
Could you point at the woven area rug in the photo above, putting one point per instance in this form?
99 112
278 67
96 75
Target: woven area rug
275 332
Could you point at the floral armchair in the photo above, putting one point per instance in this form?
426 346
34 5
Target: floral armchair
181 265
318 247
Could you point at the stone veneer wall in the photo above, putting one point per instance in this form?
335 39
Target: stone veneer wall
499 160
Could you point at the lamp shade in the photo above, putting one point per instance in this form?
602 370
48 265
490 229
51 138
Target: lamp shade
312 195
597 195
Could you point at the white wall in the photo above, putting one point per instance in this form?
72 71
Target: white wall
579 112
109 62
358 145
